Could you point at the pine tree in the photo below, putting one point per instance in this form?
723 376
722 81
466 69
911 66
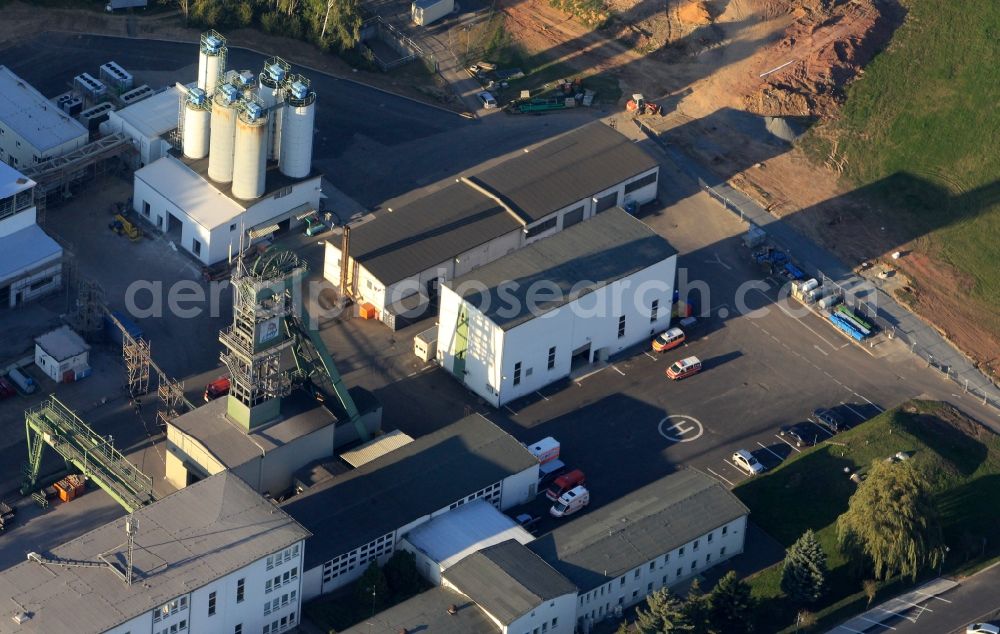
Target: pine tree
697 609
731 606
803 575
664 614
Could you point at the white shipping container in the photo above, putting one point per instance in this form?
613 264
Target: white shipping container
545 449
425 12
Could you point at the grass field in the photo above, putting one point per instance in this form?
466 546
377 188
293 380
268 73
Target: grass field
960 459
921 127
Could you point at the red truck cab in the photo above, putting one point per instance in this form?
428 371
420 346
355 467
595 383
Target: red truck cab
565 482
215 389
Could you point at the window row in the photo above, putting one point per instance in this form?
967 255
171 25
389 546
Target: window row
491 494
280 602
280 625
342 564
170 608
180 626
545 626
280 580
283 556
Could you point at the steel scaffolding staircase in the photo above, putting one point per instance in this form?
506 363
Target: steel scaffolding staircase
56 425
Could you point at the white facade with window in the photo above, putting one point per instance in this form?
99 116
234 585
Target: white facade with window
501 360
667 570
148 123
204 220
30 260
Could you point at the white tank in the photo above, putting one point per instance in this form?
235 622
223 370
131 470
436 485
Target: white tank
211 56
295 158
250 160
808 285
272 81
196 131
220 155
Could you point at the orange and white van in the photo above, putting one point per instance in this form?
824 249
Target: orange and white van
684 368
668 340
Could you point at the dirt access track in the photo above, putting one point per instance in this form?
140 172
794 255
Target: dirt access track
718 68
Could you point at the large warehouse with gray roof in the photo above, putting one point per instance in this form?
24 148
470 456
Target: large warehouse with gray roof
398 260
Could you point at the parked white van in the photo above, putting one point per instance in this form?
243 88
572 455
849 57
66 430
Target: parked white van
570 502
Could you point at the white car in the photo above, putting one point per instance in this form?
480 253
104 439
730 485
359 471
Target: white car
982 628
746 461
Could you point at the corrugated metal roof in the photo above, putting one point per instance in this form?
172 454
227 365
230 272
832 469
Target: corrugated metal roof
450 538
376 448
424 476
428 231
508 580
440 226
572 167
25 250
427 613
194 195
62 343
615 538
184 541
33 117
576 261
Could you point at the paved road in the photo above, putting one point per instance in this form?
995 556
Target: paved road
975 599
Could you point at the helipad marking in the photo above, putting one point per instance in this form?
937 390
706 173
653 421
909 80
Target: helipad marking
680 428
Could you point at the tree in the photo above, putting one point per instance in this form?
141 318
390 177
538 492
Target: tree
664 614
335 23
891 520
372 580
401 574
731 606
697 609
870 586
805 620
803 574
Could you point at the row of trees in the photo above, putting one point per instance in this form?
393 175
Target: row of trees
329 24
728 609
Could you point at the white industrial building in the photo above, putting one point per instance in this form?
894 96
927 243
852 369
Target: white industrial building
398 260
362 515
32 128
587 570
663 534
62 355
444 541
214 557
148 123
244 169
205 219
30 260
532 317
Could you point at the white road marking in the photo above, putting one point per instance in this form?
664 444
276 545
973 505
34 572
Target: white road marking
733 466
902 616
542 395
421 370
678 431
788 443
851 630
876 622
915 605
763 446
824 352
821 428
512 412
869 402
651 356
617 370
862 416
719 476
931 596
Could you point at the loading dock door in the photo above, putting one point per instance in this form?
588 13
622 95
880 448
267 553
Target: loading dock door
605 202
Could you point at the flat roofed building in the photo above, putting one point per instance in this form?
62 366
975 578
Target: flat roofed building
448 539
208 221
30 260
530 318
399 259
660 535
439 610
32 128
516 589
63 355
362 514
207 559
148 123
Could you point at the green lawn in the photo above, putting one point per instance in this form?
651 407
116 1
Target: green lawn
920 130
811 490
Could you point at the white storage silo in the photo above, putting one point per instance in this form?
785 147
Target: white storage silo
220 154
197 115
211 61
298 117
273 81
250 159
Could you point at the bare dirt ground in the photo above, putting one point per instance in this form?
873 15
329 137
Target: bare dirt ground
19 20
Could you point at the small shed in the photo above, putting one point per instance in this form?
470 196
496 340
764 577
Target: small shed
62 355
424 12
